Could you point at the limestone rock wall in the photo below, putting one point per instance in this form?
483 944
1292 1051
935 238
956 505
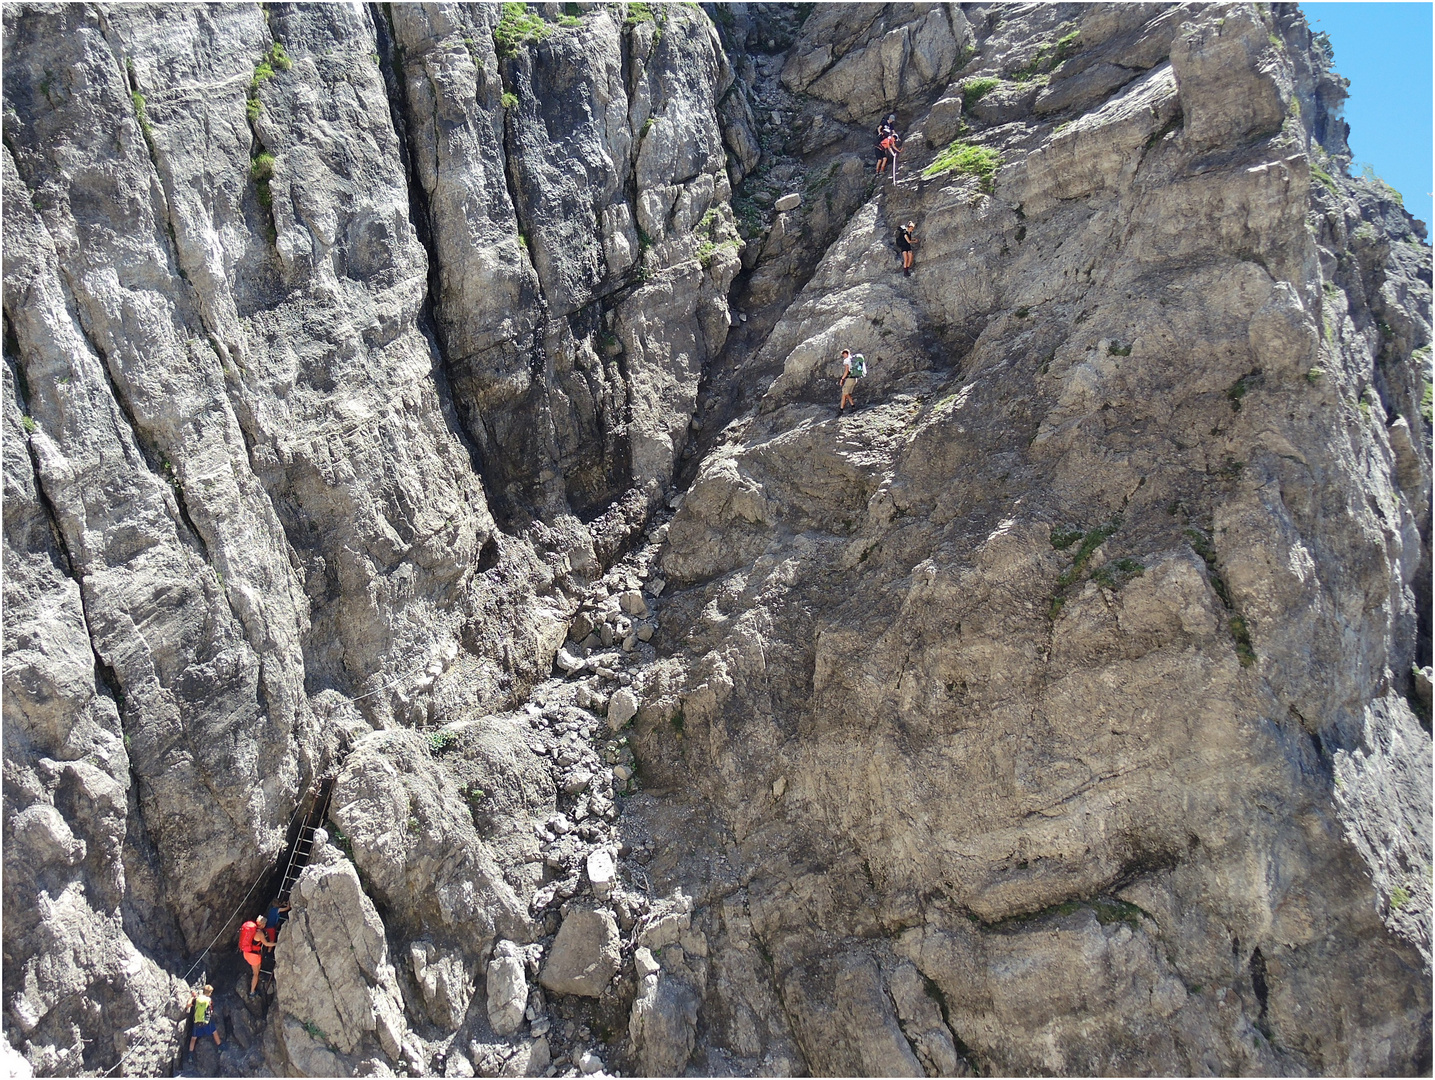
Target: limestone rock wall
1016 672
1064 708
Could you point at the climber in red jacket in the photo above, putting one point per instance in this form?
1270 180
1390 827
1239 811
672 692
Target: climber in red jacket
252 945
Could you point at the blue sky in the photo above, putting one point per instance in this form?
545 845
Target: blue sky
1384 49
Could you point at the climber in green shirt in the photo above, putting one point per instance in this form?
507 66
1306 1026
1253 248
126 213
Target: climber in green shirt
202 1002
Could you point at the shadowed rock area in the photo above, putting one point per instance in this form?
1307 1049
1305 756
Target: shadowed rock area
436 406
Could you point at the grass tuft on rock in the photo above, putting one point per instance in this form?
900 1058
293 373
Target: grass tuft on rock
517 27
261 171
973 90
1063 538
1242 635
979 161
137 100
639 12
1241 387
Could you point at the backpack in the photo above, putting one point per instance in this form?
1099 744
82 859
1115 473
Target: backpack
859 366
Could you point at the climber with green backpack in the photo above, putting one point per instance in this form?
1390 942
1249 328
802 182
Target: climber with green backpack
853 368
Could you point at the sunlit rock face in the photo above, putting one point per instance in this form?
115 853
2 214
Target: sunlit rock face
441 400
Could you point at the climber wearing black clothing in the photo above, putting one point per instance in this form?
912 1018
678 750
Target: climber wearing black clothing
888 144
905 242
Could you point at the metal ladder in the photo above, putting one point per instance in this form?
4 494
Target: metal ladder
299 854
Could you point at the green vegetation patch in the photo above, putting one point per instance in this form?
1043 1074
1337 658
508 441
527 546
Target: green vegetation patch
708 248
1324 178
1049 56
1425 404
1399 897
1067 45
1108 912
1242 635
979 161
439 741
1089 543
639 12
517 27
509 100
1115 575
275 60
973 90
1241 387
137 99
1062 539
261 171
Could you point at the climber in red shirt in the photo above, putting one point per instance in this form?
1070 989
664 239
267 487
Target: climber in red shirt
251 946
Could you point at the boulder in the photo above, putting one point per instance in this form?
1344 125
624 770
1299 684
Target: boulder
944 120
507 988
585 954
414 838
622 707
335 982
632 602
602 872
532 1058
444 983
663 1024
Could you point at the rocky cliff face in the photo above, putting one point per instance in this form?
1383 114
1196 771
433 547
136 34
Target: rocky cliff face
440 398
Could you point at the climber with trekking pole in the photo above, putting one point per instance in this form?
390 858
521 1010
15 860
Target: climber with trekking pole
888 145
853 368
202 1002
